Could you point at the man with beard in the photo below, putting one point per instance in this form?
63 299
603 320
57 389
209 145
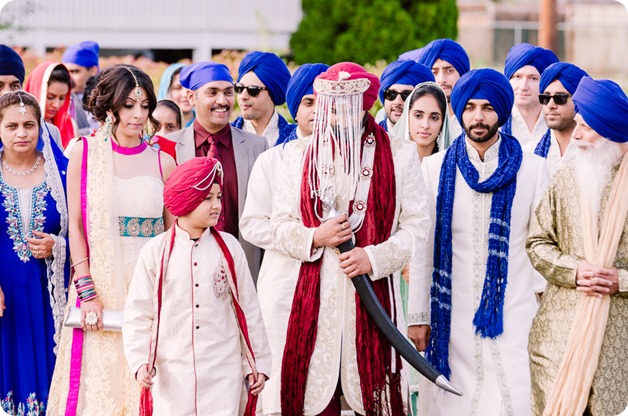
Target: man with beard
210 89
477 314
557 248
397 82
523 67
558 84
351 166
448 61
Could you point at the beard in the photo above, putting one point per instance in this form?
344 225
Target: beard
562 124
491 131
593 165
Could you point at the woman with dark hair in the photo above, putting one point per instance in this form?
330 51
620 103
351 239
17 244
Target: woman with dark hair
115 185
33 232
425 119
170 88
51 84
169 119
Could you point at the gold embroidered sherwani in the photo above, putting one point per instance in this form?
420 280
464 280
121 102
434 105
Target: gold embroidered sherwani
555 248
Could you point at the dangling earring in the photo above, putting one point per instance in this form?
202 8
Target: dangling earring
106 128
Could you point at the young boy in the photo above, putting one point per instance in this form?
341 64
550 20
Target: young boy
192 309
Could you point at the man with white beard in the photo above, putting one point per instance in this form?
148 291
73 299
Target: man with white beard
582 190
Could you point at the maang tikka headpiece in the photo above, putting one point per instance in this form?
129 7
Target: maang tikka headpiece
138 91
22 108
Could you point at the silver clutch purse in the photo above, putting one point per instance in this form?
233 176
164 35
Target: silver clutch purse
112 320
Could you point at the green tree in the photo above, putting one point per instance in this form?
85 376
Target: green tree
366 31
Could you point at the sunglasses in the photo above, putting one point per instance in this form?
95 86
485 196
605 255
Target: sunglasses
253 90
391 95
559 99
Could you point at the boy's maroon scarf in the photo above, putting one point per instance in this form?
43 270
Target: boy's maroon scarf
380 385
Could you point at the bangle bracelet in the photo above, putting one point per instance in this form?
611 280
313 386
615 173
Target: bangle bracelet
79 262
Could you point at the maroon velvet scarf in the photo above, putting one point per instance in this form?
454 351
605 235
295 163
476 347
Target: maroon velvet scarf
380 382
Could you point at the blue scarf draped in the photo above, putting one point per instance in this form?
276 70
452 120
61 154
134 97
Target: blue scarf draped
285 129
488 319
507 127
384 124
542 148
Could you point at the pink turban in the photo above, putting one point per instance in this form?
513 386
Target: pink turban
190 183
356 72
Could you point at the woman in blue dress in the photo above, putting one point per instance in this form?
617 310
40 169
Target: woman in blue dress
33 254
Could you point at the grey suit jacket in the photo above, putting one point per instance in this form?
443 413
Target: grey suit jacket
246 148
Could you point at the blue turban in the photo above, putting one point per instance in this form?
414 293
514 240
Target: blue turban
603 106
11 63
568 74
302 84
483 84
404 72
271 70
83 54
525 54
413 55
196 75
447 50
166 80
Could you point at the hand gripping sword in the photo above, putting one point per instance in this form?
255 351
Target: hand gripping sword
377 313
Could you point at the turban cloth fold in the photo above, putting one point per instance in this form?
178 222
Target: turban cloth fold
166 80
483 84
271 70
603 105
301 84
413 55
83 54
525 54
196 75
11 63
568 74
447 50
405 73
355 71
190 183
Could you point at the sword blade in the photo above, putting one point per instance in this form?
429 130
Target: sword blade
377 313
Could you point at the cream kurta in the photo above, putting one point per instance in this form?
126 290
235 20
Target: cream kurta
335 349
493 374
555 247
276 281
520 129
554 159
200 366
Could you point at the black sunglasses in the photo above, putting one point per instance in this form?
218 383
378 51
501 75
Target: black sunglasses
253 90
391 95
559 99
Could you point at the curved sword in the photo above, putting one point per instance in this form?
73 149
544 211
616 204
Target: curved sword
377 313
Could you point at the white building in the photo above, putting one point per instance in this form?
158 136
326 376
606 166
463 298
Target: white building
197 25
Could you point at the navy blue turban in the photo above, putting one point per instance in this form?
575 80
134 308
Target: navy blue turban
404 72
11 63
302 84
447 50
568 74
525 54
483 84
196 75
603 105
271 70
83 54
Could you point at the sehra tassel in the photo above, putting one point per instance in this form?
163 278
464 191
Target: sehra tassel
146 402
